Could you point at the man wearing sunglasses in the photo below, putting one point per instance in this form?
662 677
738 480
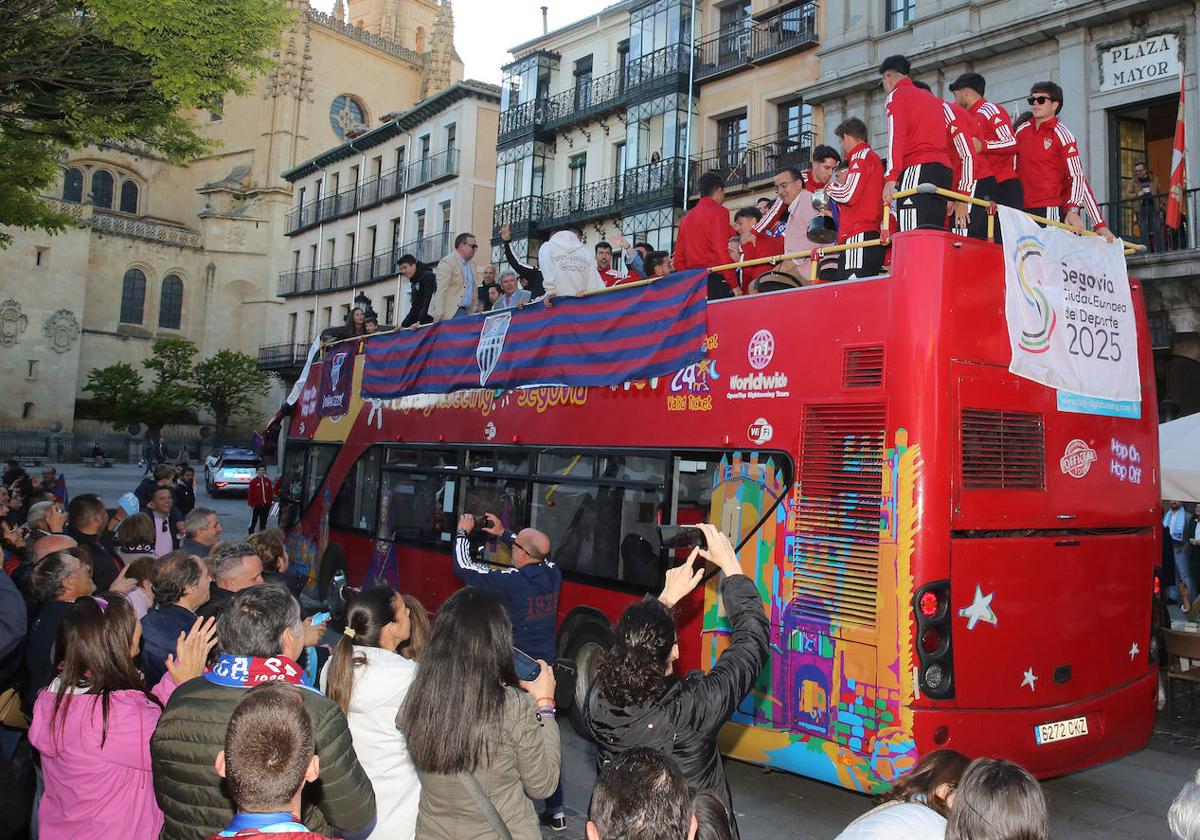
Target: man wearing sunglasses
455 292
529 589
1049 165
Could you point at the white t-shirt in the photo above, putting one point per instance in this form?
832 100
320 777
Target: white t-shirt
897 821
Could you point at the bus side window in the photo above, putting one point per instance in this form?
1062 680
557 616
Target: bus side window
418 506
304 468
497 482
356 503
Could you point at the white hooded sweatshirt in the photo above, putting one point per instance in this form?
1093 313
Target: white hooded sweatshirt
568 266
380 686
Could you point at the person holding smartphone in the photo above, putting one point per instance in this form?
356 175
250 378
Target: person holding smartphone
529 590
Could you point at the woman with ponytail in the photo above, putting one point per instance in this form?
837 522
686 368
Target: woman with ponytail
637 700
369 679
92 724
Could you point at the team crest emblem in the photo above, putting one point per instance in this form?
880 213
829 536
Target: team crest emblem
1046 144
491 344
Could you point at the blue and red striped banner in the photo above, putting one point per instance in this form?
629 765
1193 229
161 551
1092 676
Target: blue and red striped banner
604 339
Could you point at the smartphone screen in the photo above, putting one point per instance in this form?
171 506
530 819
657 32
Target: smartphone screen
526 666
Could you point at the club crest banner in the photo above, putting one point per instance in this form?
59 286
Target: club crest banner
336 373
1069 310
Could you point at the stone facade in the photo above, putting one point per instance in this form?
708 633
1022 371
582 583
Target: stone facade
407 186
1119 66
193 251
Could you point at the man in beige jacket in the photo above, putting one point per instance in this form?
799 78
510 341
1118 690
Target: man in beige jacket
455 293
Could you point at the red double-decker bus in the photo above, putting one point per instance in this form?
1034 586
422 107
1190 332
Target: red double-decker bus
945 556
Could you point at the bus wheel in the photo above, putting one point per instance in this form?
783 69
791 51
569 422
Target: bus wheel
587 645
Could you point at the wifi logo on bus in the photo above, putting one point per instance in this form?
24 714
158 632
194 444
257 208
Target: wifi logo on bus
1038 318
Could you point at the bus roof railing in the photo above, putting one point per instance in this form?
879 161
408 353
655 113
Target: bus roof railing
816 254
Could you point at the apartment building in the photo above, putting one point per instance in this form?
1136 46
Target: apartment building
407 186
606 122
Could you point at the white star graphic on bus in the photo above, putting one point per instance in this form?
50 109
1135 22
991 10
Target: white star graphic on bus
1029 680
1134 650
980 609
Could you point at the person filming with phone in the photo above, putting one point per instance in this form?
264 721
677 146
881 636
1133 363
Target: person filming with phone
529 590
638 701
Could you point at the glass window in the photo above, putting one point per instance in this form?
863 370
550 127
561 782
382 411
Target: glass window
498 461
899 12
170 303
418 507
73 185
566 464
358 498
133 296
403 458
632 468
732 136
102 189
795 120
605 531
304 468
129 197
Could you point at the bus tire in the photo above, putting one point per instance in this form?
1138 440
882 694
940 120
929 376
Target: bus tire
587 643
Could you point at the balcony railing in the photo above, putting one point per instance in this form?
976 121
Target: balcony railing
431 169
756 163
585 101
755 42
344 275
646 184
377 189
604 93
1144 220
427 250
282 357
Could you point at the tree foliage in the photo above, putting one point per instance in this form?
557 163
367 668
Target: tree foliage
229 384
78 72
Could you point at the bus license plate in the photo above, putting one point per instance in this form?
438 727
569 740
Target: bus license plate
1060 730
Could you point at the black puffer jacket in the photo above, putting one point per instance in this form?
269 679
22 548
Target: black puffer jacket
684 721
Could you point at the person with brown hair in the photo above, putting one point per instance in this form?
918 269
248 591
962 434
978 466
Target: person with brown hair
998 800
92 724
270 754
271 548
918 805
369 680
419 625
135 536
141 573
181 586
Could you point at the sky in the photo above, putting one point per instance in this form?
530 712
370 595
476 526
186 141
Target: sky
484 30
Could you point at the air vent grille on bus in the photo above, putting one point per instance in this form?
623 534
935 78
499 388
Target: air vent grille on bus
837 534
1003 449
862 367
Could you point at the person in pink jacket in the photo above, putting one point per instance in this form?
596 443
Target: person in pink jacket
92 724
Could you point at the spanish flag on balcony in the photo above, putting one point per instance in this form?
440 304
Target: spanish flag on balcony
628 333
1178 168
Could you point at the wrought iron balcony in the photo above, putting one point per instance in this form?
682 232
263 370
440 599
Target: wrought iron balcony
522 119
430 170
429 249
341 276
751 43
646 185
755 164
1144 220
588 100
662 70
282 358
375 190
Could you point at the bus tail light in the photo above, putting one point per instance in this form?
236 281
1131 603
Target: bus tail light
935 661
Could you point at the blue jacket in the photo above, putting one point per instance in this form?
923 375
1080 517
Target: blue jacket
529 594
160 633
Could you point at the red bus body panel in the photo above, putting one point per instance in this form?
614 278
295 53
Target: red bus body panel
1068 565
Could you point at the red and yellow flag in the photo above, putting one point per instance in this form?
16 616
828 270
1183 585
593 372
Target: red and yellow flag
1178 169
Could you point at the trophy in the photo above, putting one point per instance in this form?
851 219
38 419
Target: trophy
821 229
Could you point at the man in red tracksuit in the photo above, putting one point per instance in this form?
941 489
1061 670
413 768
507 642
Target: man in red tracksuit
999 145
964 165
604 265
916 148
259 496
860 209
704 234
1049 165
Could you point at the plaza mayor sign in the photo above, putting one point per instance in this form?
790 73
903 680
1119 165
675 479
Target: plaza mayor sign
1150 59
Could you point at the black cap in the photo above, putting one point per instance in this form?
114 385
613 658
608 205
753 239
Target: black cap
969 80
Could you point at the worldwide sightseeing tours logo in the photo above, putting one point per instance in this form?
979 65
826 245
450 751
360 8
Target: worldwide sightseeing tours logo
1038 318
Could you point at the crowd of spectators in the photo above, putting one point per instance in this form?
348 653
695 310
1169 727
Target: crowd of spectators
189 697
